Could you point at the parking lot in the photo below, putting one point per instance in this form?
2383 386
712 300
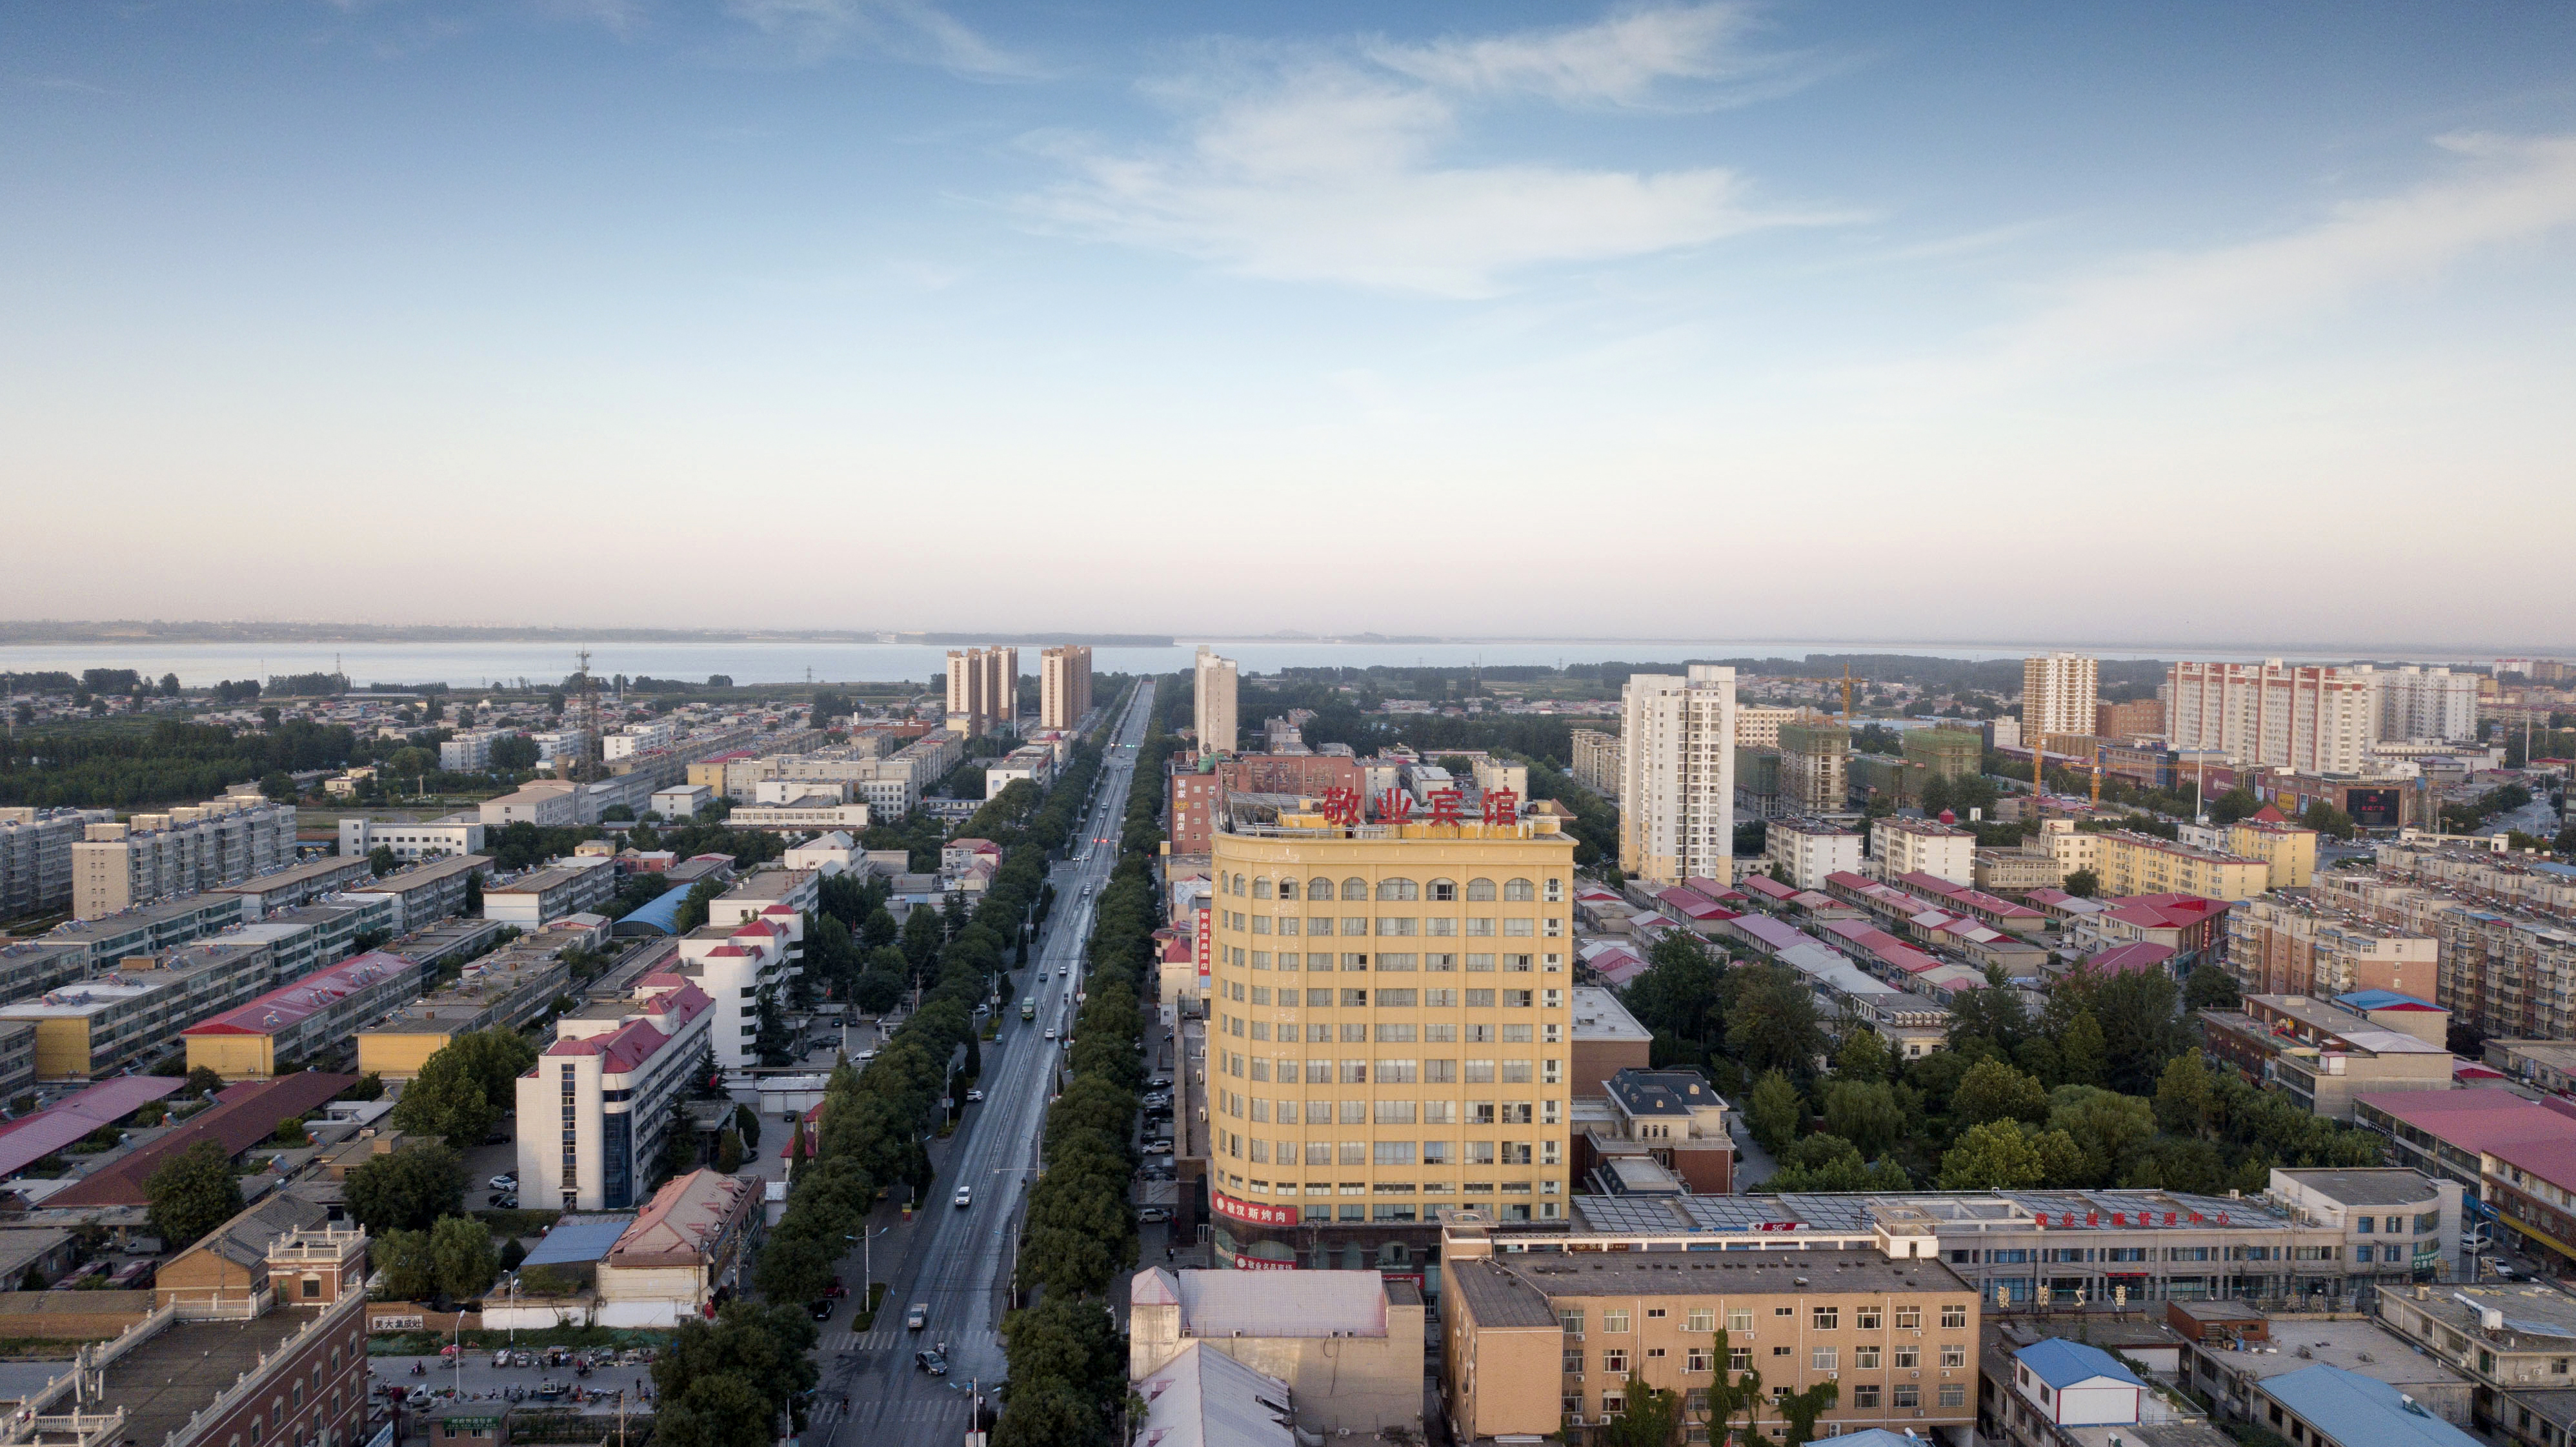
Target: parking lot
617 1376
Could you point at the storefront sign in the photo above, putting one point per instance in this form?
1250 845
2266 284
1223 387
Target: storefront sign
1253 1211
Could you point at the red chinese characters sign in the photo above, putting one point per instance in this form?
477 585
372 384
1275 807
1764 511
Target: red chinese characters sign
1252 1211
1206 941
1342 805
1444 806
1394 806
1502 806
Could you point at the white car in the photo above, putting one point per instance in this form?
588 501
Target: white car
505 1183
1050 1034
965 1197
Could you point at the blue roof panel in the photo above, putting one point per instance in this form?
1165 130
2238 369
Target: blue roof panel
579 1240
2351 1408
2062 1363
662 914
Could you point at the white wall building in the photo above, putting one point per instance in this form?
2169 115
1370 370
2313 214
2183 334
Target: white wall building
2058 693
682 801
737 965
639 738
470 751
1905 846
1677 775
2314 720
594 1111
1809 849
413 842
2409 703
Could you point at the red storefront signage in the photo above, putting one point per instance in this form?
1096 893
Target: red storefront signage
1205 942
1252 1211
1260 1263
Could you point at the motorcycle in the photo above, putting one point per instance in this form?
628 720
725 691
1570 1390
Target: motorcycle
419 1370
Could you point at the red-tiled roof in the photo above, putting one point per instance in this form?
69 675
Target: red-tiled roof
1931 884
240 1118
290 1004
31 1138
2134 958
1767 887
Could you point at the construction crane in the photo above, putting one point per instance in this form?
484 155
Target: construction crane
1846 682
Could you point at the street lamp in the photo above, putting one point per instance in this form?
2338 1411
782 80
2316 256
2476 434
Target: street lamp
867 1253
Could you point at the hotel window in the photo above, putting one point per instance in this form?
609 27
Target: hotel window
1739 1359
1614 1320
1826 1318
1573 1364
1739 1321
1355 889
1701 1318
1864 1359
1480 889
1865 1395
1908 1395
1519 890
1908 1358
1695 1360
1613 1360
1824 1359
1953 1355
1953 1313
1954 1394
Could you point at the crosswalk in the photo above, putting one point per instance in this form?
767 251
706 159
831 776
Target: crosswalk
887 1338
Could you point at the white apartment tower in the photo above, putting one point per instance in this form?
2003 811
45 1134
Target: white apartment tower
2411 703
1677 775
2057 694
1064 686
2313 720
1213 713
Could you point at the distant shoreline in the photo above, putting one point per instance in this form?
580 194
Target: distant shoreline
54 634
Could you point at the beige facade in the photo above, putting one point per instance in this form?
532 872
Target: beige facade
1389 1025
983 689
1539 1339
1348 1343
1677 775
2133 863
2058 694
181 851
2288 851
1064 686
1596 761
1212 709
1759 723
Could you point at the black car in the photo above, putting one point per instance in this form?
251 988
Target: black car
823 1309
931 1362
1159 1082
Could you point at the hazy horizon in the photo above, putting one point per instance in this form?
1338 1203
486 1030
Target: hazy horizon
1510 321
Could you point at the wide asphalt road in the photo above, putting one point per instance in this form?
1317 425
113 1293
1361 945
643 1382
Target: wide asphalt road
958 1257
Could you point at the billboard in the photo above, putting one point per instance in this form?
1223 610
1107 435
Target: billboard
2374 808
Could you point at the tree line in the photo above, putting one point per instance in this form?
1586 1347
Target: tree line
1067 1366
2104 1085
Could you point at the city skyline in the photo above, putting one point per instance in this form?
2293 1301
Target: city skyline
2238 308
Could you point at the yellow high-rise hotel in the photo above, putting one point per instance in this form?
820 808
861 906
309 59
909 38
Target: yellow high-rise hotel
1389 1023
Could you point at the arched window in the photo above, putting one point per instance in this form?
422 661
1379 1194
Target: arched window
1520 889
1319 888
1480 889
1442 890
1238 886
1398 889
1261 887
1392 1254
1288 889
1355 889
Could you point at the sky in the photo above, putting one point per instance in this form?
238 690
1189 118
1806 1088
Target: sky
2200 322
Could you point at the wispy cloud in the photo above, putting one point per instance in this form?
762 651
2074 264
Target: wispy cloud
1327 168
815 30
1635 57
2500 191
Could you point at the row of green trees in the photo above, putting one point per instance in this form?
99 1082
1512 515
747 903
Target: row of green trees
874 1123
1067 1380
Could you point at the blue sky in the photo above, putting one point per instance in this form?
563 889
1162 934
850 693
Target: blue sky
2074 323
